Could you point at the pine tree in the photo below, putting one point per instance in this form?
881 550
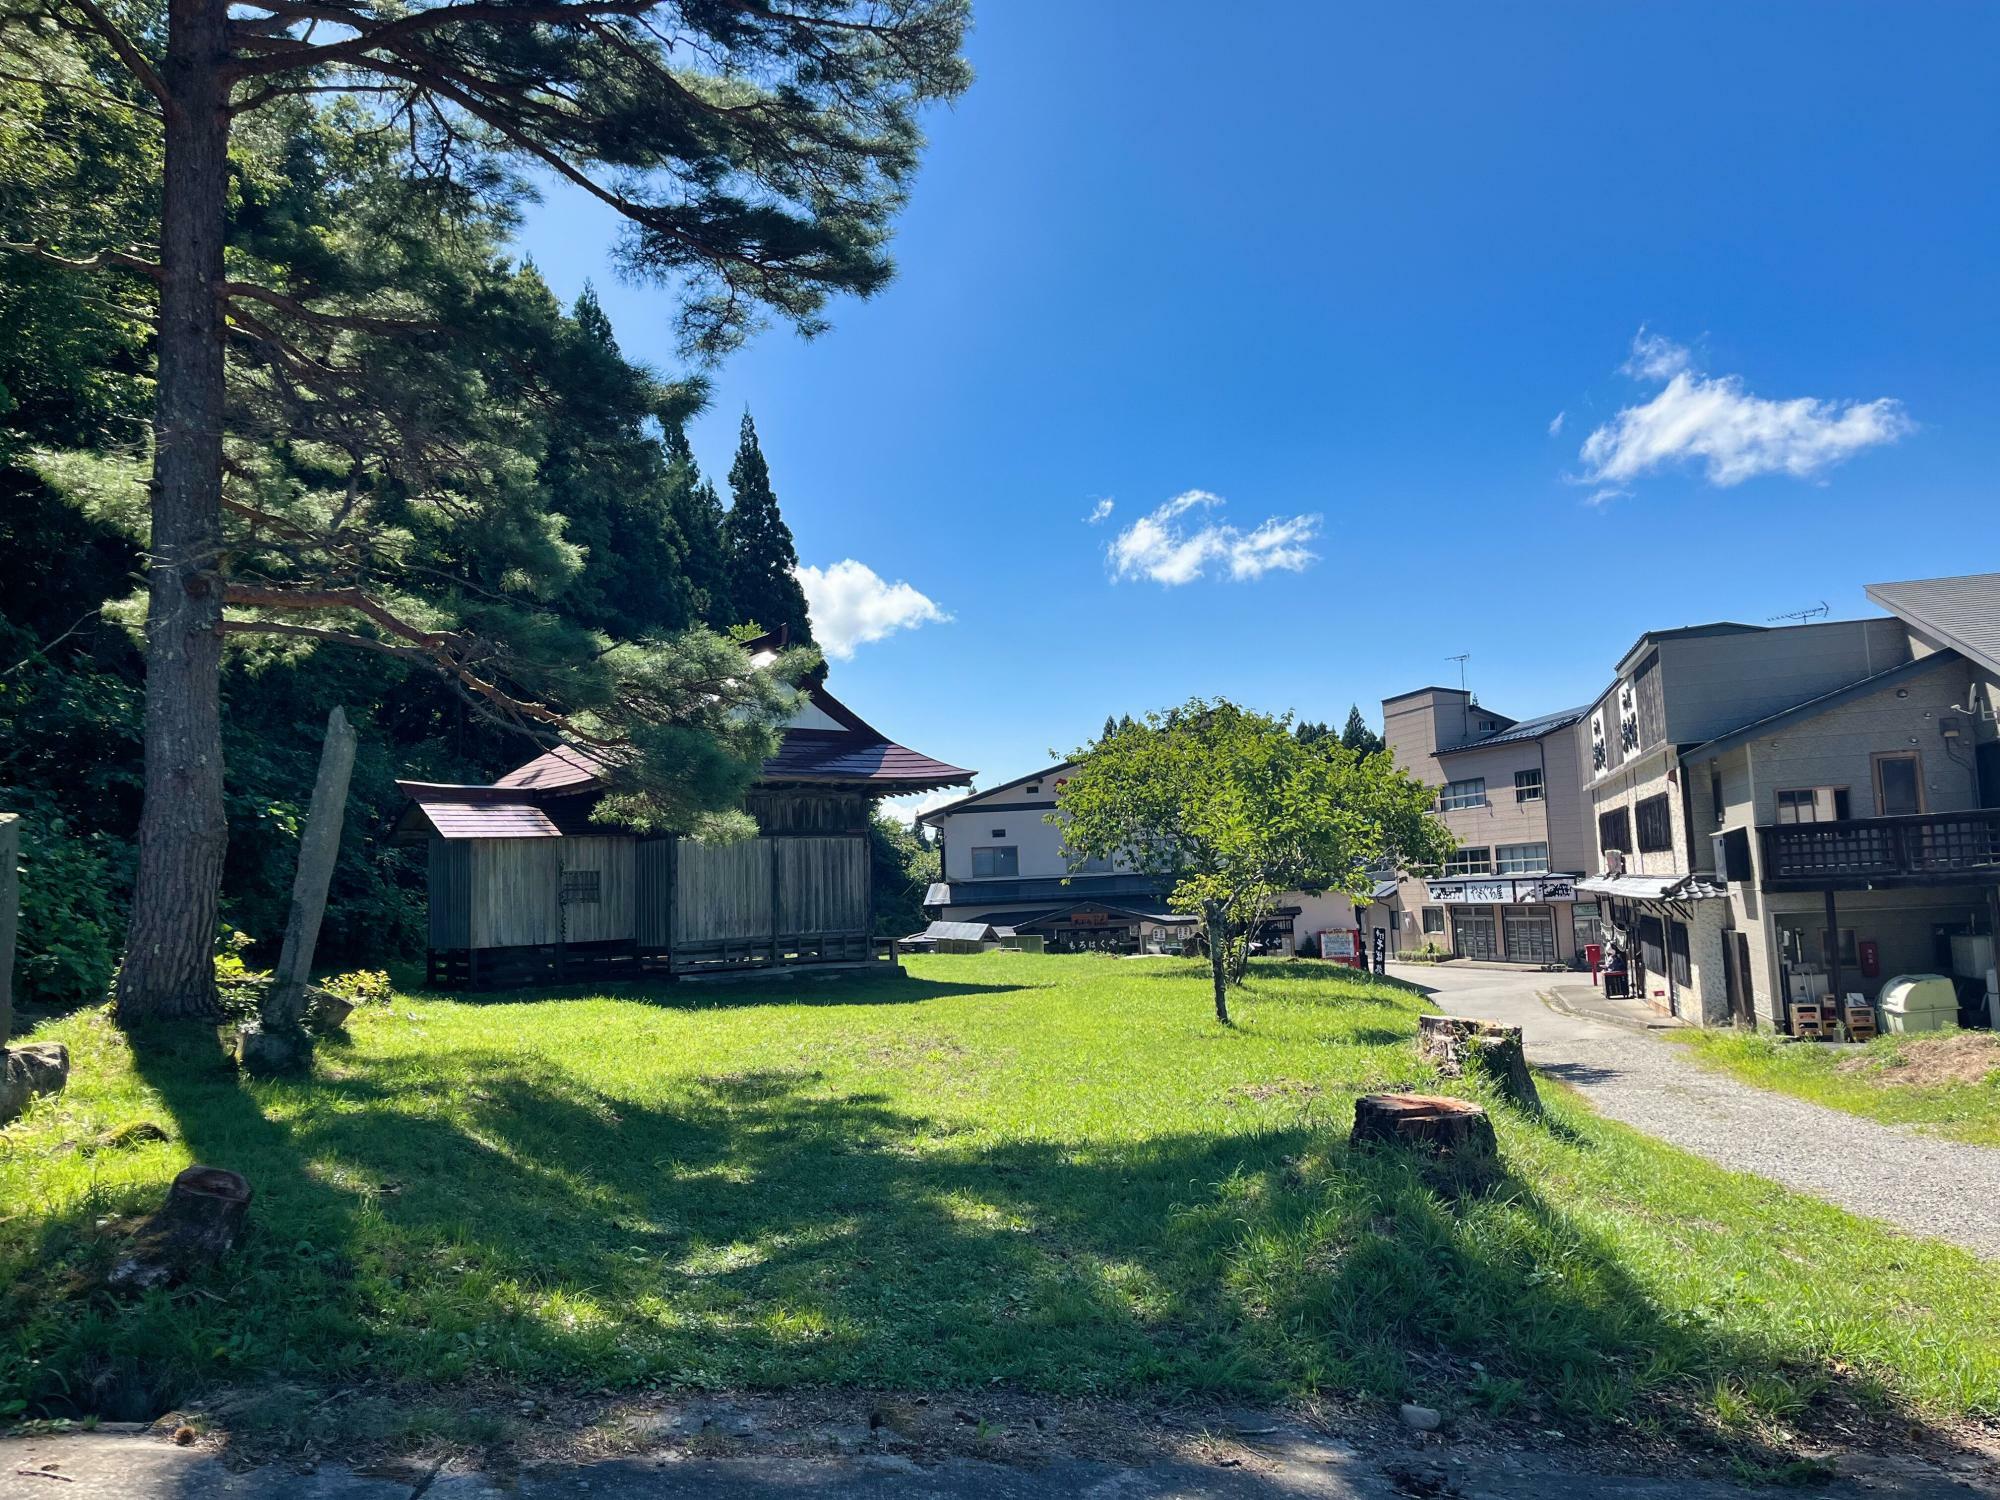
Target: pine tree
1357 736
763 563
697 512
779 198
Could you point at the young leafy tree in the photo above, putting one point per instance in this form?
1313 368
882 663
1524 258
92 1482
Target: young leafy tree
757 154
763 563
1235 808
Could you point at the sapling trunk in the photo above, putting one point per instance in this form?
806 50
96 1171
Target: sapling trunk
1218 957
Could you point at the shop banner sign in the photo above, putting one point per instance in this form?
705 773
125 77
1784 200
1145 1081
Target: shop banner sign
1537 891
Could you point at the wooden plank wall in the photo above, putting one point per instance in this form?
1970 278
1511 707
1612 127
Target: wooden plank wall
514 888
653 893
609 918
451 893
822 885
722 892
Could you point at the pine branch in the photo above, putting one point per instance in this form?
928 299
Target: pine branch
136 62
103 259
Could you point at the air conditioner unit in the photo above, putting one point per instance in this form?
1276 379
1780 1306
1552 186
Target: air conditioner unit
1614 861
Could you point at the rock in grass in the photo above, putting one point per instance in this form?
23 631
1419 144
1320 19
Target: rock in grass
1420 1418
202 1220
138 1133
28 1072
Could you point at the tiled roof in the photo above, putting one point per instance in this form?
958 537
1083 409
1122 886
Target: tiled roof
488 820
561 768
814 755
1963 612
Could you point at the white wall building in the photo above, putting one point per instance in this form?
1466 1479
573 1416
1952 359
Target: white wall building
1003 862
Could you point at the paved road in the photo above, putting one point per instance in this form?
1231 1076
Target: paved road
1927 1186
1284 1465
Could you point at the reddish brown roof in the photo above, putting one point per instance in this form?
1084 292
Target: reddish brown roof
559 769
487 820
819 755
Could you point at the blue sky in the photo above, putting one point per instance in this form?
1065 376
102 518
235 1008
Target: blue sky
1350 263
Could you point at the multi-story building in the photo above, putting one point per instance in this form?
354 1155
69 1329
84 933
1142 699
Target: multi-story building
1004 863
1510 790
1786 814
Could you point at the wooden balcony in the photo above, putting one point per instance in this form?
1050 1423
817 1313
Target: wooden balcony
1955 848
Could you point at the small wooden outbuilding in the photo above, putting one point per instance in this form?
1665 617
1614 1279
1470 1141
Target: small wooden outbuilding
525 888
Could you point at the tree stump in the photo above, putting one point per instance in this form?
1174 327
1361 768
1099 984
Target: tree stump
29 1071
202 1220
1429 1123
271 1051
1456 1044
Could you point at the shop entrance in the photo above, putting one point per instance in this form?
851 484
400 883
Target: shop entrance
1472 932
1530 934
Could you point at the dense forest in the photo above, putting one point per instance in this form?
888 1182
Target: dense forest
575 513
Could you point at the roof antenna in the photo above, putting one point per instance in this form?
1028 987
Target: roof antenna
1800 616
1464 698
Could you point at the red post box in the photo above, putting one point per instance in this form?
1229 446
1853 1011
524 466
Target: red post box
1593 954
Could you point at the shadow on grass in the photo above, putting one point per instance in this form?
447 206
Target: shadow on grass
484 1215
733 994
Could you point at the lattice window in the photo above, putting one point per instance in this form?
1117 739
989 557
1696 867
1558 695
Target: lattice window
582 887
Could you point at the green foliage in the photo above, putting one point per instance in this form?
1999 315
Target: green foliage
1045 1170
1357 736
763 563
361 987
70 920
1235 807
904 865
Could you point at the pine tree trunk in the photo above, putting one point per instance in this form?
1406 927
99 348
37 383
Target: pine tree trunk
1218 959
169 969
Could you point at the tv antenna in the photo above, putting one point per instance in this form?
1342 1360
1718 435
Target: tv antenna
1462 658
1800 616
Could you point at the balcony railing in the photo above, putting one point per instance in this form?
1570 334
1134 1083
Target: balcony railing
1925 849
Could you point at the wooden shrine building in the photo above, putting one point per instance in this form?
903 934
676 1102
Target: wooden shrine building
524 888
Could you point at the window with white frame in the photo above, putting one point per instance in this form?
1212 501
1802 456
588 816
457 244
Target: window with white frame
1457 795
1434 920
1528 785
1522 859
1473 861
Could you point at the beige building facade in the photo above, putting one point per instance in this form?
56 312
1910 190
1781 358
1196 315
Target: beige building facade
1510 791
1789 815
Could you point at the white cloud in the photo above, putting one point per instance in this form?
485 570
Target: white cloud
1605 496
1098 512
1164 547
1735 435
1556 422
908 809
851 604
1655 357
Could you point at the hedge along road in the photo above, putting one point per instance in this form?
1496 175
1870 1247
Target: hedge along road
1942 1189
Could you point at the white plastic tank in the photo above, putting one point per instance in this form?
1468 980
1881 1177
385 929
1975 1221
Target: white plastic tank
1919 1002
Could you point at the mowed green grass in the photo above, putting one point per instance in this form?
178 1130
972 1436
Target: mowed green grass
1055 1173
1873 1080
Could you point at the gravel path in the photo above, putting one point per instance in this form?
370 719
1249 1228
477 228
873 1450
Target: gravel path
1944 1189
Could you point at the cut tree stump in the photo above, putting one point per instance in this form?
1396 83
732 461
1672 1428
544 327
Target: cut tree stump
1456 1044
202 1220
29 1071
1425 1122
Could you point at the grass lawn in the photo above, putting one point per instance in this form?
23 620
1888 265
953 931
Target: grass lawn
1948 1082
1055 1173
